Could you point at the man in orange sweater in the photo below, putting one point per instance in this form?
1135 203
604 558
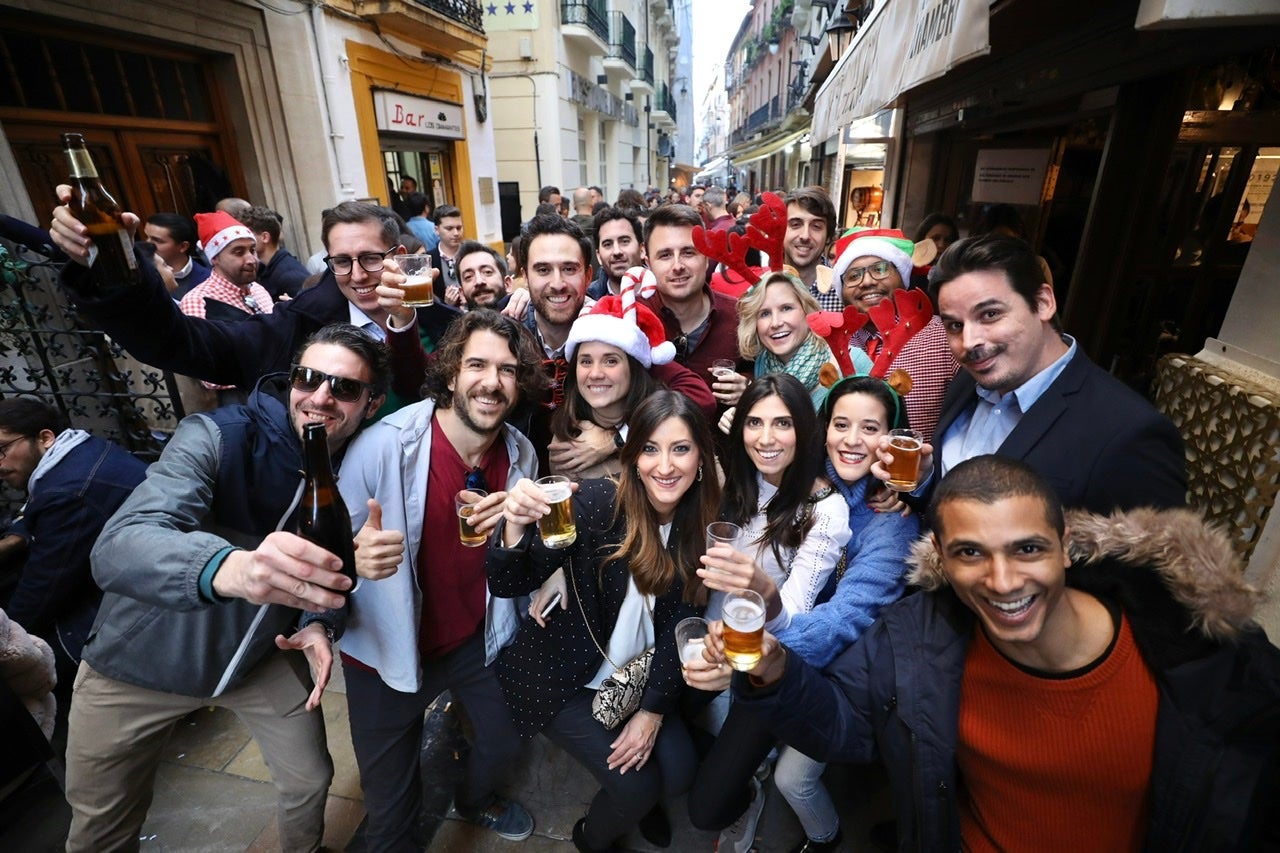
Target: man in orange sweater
1097 687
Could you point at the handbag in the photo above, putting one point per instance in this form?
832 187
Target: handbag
619 695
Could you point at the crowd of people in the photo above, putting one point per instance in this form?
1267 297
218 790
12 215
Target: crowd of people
1045 647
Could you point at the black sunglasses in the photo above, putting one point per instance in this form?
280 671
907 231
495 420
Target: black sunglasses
476 481
308 379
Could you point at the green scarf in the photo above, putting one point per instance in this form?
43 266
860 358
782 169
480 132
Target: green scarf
803 365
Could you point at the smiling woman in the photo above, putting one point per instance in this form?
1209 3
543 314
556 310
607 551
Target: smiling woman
772 329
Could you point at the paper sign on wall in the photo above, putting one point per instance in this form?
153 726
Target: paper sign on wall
1009 175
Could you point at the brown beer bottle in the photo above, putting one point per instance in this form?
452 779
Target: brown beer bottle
322 516
111 258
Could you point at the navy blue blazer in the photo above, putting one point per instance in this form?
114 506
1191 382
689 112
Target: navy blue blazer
1097 442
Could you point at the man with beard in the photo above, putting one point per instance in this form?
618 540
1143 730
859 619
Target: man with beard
619 247
1029 392
811 223
427 622
202 592
231 291
482 275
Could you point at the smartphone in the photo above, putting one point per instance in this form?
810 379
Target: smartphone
551 606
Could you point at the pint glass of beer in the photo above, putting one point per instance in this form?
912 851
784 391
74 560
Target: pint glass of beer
417 286
465 502
557 527
723 533
743 628
691 639
904 470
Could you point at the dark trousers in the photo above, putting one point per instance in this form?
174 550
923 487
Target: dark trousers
623 799
386 731
721 792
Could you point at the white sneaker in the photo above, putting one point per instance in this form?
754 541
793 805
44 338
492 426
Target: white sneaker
741 834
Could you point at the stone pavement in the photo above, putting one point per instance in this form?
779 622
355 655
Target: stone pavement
213 793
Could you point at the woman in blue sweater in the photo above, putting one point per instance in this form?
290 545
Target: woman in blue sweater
856 412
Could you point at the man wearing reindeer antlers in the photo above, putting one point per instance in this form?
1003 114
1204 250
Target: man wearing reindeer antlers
701 322
872 265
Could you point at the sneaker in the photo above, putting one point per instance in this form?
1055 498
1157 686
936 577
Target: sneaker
811 846
507 818
741 834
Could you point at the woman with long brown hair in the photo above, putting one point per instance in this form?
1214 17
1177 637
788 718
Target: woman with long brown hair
630 579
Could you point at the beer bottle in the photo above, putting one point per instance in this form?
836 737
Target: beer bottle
322 516
111 257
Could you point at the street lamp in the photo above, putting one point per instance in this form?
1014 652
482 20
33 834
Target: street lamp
839 33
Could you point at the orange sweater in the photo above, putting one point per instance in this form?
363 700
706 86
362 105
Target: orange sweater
1050 763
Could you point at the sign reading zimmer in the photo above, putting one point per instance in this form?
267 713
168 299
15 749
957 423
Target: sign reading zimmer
1009 175
402 113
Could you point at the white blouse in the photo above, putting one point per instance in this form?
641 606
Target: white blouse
633 632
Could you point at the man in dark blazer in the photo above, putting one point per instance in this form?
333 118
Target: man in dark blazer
1028 392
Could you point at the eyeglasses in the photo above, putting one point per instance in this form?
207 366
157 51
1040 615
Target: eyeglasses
4 448
878 271
476 481
682 346
308 379
369 262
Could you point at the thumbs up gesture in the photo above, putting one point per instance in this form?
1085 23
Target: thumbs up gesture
378 552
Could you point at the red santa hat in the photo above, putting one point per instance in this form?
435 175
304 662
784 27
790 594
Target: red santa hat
219 230
622 322
889 244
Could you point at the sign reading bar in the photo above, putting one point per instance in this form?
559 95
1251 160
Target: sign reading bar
920 40
402 113
1009 175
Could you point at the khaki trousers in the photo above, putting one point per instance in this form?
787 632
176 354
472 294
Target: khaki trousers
117 732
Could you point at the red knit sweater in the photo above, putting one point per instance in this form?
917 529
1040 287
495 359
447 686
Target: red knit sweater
1055 763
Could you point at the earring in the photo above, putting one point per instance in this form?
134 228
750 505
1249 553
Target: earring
699 473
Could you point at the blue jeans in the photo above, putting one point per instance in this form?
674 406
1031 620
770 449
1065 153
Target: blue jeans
799 780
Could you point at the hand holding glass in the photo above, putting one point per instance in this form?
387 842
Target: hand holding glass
743 628
691 638
465 502
904 470
557 528
418 290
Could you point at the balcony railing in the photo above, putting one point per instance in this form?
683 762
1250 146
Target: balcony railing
645 70
469 13
593 14
663 102
622 38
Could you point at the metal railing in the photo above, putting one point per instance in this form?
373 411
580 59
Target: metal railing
593 14
663 102
469 13
645 69
622 38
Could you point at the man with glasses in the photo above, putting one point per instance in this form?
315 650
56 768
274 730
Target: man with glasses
426 622
872 264
359 238
701 322
74 482
207 596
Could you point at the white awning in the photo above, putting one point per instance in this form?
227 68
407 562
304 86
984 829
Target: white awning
902 44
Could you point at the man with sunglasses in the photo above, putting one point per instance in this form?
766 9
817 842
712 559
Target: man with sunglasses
358 237
426 622
207 598
872 264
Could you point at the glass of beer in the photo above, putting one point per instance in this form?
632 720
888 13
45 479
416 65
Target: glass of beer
904 470
557 527
691 639
743 628
417 286
722 366
465 502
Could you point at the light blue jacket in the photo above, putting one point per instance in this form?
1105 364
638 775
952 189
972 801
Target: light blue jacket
874 578
389 461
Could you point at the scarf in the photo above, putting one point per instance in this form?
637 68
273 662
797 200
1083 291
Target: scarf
804 364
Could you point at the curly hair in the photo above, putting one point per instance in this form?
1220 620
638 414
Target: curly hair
443 369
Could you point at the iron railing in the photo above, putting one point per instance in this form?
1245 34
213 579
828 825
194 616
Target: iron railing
469 13
593 14
645 69
663 102
622 38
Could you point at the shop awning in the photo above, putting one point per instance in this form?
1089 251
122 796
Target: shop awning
714 168
766 147
902 44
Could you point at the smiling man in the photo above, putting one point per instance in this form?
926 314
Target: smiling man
811 223
1029 392
1120 700
428 623
619 247
203 588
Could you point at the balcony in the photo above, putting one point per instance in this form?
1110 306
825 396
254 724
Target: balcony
758 121
643 82
586 23
620 60
664 106
450 27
